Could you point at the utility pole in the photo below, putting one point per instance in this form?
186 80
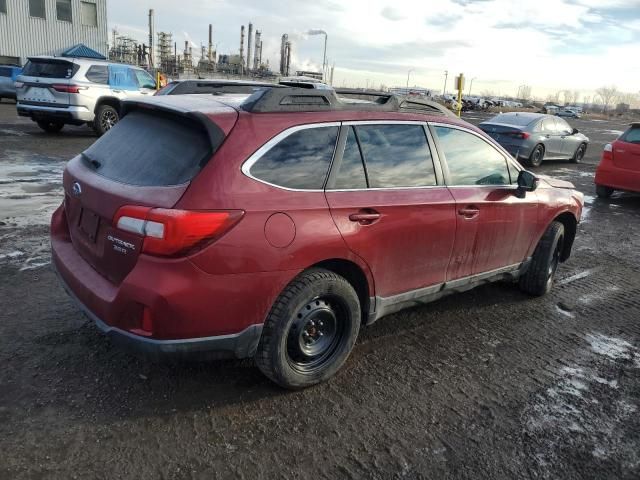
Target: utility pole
471 85
408 73
446 75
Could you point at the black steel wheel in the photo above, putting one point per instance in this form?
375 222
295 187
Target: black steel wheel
579 154
536 157
310 330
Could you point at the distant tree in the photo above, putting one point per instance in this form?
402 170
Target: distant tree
576 96
607 96
488 93
554 97
525 93
630 99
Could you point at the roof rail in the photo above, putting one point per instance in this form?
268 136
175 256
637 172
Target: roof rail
296 99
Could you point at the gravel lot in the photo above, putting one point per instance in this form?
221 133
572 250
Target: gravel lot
487 384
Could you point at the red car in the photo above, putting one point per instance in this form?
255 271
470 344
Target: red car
619 167
275 226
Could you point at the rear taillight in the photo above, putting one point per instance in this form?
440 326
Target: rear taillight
170 232
67 88
520 135
607 153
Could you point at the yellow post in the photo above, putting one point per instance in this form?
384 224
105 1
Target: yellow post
158 80
460 87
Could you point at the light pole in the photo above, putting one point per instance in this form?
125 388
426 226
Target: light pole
324 57
408 73
471 85
446 75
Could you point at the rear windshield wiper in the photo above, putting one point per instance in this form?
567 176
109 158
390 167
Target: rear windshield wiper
93 163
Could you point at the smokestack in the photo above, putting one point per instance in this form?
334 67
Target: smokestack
249 43
209 53
151 35
257 53
288 47
283 53
242 50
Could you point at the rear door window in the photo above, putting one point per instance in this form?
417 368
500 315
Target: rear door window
144 79
5 71
396 155
350 174
150 150
98 74
471 160
299 161
49 68
632 135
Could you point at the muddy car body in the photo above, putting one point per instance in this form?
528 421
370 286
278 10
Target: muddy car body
274 227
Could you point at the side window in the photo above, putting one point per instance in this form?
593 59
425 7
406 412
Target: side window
144 79
632 135
63 10
396 155
98 74
548 125
513 172
351 173
563 126
37 8
471 160
89 14
300 160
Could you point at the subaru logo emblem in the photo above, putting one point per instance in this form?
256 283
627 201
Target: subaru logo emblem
77 189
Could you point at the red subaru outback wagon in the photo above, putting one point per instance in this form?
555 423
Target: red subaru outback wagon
276 225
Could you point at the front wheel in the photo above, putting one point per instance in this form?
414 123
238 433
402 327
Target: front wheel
603 192
536 157
538 279
310 330
579 153
50 127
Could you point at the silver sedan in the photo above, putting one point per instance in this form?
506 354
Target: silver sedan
534 137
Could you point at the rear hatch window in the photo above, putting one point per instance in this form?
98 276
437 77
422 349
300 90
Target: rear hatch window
150 150
5 72
50 68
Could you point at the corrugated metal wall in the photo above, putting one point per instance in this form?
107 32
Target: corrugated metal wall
23 36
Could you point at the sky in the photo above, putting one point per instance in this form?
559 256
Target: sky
550 45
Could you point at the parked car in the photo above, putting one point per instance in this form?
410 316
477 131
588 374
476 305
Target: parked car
568 113
534 137
619 168
277 226
212 86
8 75
57 91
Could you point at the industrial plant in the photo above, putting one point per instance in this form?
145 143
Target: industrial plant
162 53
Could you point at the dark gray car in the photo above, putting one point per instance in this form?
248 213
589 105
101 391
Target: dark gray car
534 137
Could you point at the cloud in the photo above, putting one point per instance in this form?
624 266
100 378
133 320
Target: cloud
444 20
393 14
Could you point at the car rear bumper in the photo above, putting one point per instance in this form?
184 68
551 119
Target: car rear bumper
70 114
616 178
189 312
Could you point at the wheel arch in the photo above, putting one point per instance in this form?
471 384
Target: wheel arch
111 101
570 223
356 275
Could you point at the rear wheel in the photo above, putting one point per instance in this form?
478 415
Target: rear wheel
603 192
579 153
50 127
538 279
106 118
536 157
310 330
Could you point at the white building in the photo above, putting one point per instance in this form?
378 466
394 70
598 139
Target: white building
44 27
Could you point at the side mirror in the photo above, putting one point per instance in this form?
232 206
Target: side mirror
527 182
574 131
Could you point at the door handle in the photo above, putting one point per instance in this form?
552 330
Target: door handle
365 217
469 212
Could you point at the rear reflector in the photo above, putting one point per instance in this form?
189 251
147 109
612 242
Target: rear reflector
170 232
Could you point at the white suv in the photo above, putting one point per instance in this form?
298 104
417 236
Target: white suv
54 91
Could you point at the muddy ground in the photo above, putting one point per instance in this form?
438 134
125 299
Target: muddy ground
487 384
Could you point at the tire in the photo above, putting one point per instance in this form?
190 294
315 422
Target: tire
536 157
50 127
106 118
310 330
603 192
579 153
538 279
